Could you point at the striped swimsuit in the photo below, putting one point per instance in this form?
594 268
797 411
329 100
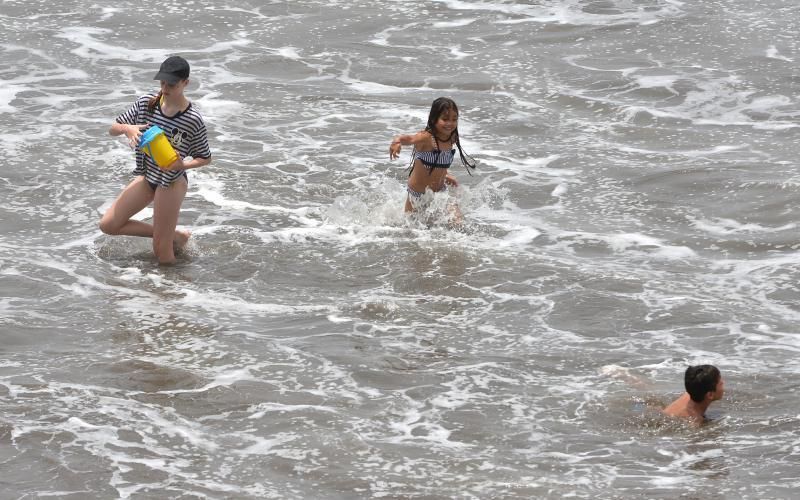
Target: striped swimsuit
436 158
186 131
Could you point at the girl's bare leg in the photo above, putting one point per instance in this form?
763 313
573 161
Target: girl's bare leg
117 219
166 208
135 197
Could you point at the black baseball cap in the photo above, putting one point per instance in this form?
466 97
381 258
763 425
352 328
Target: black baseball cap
173 70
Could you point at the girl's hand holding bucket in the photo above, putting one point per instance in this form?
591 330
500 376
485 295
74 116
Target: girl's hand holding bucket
134 134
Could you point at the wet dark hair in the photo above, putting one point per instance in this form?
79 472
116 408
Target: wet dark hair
700 380
439 106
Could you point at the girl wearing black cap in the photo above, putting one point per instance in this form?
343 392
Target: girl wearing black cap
164 187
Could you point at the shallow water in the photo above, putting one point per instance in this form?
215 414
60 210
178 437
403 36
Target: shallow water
634 211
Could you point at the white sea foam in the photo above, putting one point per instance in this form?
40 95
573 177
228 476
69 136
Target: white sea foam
717 100
382 38
288 52
213 108
460 23
7 94
222 303
210 189
724 226
568 13
91 46
457 53
772 53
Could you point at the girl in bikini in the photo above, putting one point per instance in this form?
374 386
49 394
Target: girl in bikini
164 187
434 150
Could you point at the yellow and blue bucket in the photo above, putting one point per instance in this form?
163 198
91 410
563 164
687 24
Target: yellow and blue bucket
154 143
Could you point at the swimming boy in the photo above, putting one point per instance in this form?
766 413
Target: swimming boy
704 385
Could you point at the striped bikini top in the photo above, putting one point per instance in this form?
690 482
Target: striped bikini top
436 158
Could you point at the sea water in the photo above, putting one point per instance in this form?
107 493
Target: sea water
634 211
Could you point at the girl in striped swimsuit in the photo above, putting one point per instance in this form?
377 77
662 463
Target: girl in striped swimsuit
164 187
434 150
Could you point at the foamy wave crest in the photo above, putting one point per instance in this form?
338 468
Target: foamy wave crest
576 12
